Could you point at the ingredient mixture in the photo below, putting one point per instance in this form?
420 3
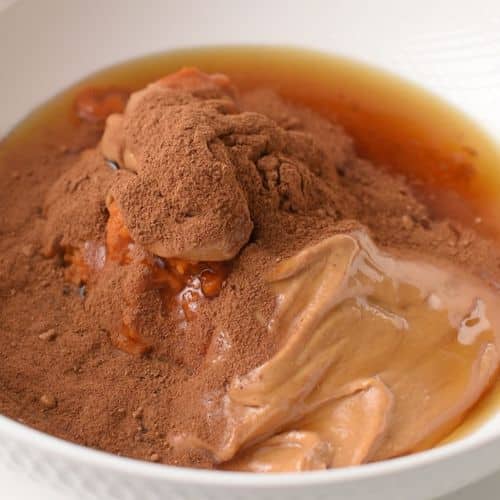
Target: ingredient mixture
213 278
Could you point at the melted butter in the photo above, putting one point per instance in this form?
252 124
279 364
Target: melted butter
365 348
488 405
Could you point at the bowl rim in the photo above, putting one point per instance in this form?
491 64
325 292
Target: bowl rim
182 475
34 438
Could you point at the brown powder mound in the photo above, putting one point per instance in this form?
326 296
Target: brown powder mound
216 173
315 141
205 174
194 205
85 184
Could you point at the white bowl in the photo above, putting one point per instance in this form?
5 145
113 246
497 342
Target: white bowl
450 47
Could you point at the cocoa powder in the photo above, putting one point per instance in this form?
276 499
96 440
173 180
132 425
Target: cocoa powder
251 175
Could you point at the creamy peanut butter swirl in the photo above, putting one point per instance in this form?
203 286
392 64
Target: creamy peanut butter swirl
383 356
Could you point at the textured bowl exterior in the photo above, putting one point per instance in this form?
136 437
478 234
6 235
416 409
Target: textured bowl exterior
95 475
451 47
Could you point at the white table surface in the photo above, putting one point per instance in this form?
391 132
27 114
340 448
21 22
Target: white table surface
18 487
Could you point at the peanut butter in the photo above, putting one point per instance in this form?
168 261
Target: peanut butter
382 356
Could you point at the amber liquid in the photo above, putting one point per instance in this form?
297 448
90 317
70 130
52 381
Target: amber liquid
452 163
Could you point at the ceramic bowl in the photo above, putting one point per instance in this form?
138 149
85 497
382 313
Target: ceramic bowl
450 47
